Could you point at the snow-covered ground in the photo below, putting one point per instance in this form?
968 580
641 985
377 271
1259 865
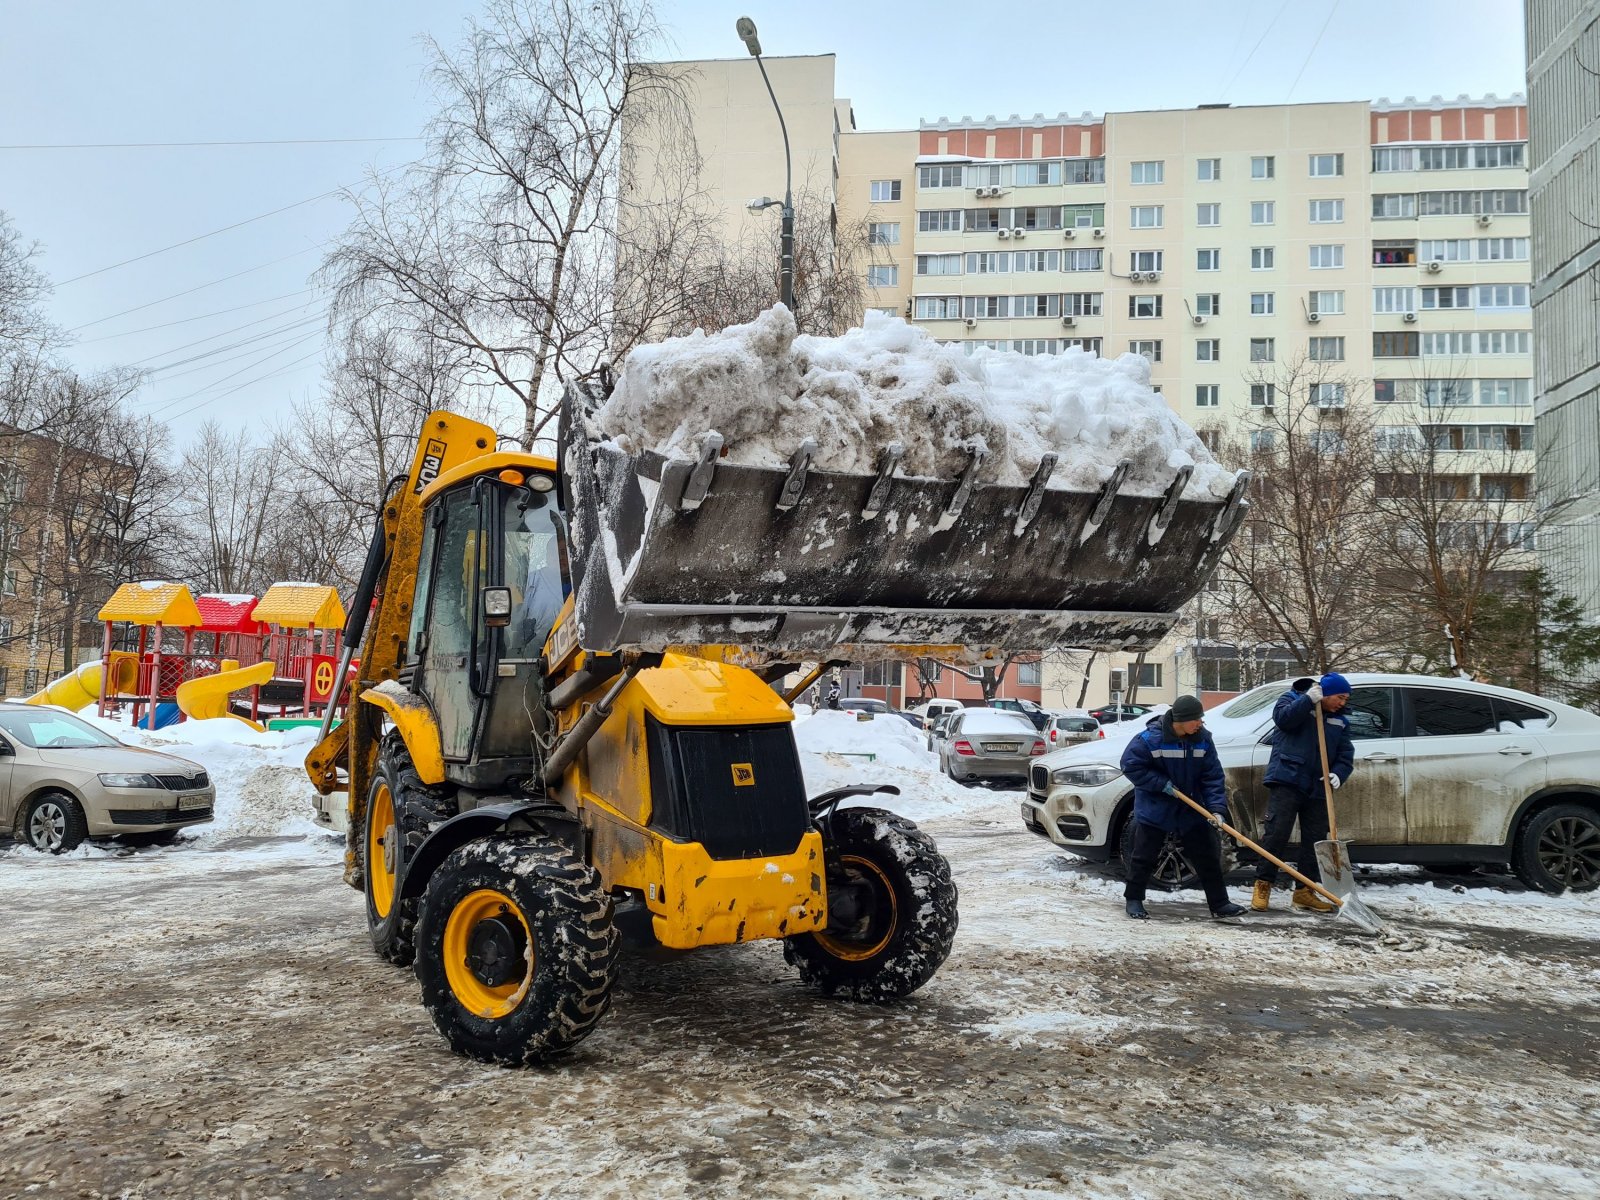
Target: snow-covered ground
208 1019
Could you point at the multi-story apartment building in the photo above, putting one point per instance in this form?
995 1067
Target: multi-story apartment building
1385 242
1564 107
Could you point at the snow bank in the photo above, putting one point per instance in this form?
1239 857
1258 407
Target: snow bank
764 389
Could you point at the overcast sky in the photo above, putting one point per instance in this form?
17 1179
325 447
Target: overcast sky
90 73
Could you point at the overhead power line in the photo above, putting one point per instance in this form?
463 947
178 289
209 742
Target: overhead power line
176 145
199 287
283 370
106 337
220 334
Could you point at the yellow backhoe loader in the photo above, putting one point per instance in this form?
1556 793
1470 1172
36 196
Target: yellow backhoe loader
564 727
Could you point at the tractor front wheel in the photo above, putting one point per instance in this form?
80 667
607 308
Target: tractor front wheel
891 910
515 950
401 812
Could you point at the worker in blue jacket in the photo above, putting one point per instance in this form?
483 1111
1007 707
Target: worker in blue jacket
1176 754
1294 781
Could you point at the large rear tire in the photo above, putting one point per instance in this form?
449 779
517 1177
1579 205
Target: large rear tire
401 812
891 910
515 950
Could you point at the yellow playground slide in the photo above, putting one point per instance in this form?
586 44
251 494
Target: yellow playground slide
207 697
81 687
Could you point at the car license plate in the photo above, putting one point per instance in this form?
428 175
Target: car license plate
1002 747
193 802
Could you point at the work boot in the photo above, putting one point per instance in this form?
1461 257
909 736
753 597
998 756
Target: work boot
1305 898
1261 897
1229 909
1136 910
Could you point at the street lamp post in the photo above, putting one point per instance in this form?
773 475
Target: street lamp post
747 34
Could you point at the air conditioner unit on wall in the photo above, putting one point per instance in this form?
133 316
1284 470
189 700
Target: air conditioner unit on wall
970 322
1005 233
1410 318
1069 321
1313 317
1198 319
1098 232
1152 276
1018 233
1434 267
1069 233
1484 218
1135 276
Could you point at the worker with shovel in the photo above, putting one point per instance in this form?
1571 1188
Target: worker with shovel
1295 781
1173 754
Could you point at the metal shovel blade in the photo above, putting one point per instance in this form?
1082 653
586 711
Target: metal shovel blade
1338 876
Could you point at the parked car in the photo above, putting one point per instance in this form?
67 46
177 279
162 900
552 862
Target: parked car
931 710
1039 717
1112 714
1448 774
941 727
988 744
1069 729
864 704
63 780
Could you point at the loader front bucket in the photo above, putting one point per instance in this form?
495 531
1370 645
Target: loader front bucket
801 563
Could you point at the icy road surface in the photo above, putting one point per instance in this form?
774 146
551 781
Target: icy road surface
208 1020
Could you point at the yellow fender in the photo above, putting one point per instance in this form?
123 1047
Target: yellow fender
418 728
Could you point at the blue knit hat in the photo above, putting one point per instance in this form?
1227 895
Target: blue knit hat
1334 684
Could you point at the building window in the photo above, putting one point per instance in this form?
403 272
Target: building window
1149 675
1446 297
1394 300
938 220
1083 170
1208 169
1262 304
1506 154
883 276
885 191
1446 393
1326 349
941 176
1145 216
1445 250
1325 165
1327 395
1262 440
1263 350
1208 304
1327 258
1144 260
938 264
1394 207
1208 350
988 262
1262 212
1081 304
1150 349
1327 212
1263 167
1502 295
1028 674
884 674
1148 172
1211 439
1083 216
1393 158
1208 260
1088 345
1083 260
884 233
1036 174
30 680
1394 344
1208 214
1205 395
1261 258
937 308
1503 249
1327 304
1263 395
1035 261
1503 391
1144 307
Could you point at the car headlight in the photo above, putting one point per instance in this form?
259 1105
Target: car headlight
131 781
1084 777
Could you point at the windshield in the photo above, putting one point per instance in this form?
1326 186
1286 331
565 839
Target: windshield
46 730
535 540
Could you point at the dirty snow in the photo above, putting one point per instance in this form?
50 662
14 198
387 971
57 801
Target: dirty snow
764 389
210 1020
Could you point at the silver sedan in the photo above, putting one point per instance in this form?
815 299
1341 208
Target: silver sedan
988 744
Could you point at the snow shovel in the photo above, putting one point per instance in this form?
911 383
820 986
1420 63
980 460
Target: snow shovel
1350 908
1333 856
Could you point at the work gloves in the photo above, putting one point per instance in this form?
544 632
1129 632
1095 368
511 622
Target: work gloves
1169 789
1314 693
1216 821
1333 782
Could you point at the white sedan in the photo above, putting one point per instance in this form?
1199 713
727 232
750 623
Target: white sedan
1448 773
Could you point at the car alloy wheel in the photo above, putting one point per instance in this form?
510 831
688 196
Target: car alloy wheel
47 826
1569 849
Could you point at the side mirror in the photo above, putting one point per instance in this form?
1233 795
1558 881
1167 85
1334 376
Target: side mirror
497 607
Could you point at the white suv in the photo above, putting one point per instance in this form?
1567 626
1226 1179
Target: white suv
1448 773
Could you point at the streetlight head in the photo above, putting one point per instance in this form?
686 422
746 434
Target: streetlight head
761 202
747 34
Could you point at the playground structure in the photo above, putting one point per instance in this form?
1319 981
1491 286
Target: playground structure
178 656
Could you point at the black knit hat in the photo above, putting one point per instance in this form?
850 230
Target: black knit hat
1187 708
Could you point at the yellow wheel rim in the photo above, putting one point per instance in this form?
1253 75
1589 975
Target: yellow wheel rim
380 835
850 950
461 931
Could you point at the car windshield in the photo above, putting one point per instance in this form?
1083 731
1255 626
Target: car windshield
46 730
981 720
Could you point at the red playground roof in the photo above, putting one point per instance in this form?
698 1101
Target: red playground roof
227 614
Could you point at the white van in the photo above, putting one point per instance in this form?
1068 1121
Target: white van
931 710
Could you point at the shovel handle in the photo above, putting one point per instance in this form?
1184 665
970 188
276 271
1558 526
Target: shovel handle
1271 858
1327 781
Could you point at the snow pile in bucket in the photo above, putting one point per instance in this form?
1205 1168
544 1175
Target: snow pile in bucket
764 389
262 788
